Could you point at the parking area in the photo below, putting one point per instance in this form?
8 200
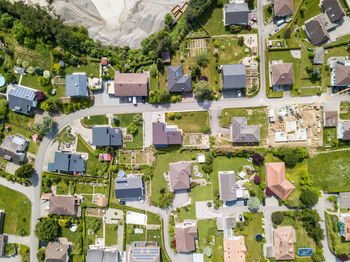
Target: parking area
342 29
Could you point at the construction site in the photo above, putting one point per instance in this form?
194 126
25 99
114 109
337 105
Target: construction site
296 125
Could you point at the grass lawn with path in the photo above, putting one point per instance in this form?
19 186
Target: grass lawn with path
330 136
91 69
111 237
345 108
95 120
131 236
191 122
17 208
124 121
98 234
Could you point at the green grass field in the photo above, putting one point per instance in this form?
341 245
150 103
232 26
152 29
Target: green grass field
91 69
98 234
111 235
95 120
124 121
345 107
17 209
191 122
131 236
329 136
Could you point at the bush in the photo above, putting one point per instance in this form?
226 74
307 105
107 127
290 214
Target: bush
206 129
207 168
178 116
277 217
47 229
219 4
131 129
202 60
203 91
257 179
309 198
171 115
241 41
24 171
258 159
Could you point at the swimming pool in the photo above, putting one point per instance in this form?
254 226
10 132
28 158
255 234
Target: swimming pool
121 174
2 80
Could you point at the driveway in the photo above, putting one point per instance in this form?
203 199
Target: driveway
147 129
342 29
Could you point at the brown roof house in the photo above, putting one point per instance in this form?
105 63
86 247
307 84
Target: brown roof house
130 84
179 175
234 249
282 74
227 186
185 235
277 181
341 75
333 9
13 149
242 133
62 206
164 135
284 239
283 7
56 252
330 119
316 31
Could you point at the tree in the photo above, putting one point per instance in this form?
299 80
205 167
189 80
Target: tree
43 81
206 129
3 109
171 115
257 179
116 120
40 96
316 73
253 203
94 224
137 120
57 67
45 127
38 70
310 219
309 198
168 19
132 129
49 105
202 60
24 171
241 41
207 168
277 217
258 159
47 229
209 158
153 71
203 91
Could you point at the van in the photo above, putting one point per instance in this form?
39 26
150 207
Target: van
280 22
134 101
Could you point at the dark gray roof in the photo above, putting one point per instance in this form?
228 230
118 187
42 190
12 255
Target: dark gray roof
243 133
129 188
13 148
316 31
21 99
333 9
236 14
177 81
234 76
68 162
76 85
227 182
96 255
319 56
164 137
107 136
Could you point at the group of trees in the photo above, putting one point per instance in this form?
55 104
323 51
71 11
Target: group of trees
24 171
45 126
291 155
203 91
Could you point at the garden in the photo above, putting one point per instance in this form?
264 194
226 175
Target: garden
344 110
338 243
189 122
91 121
134 126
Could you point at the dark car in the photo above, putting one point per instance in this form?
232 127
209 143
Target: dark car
240 217
263 202
245 202
143 99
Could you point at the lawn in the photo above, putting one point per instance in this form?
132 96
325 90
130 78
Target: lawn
187 212
20 119
153 235
124 121
111 237
202 193
338 243
17 209
124 158
253 227
91 69
83 188
330 136
331 171
72 237
131 236
344 110
308 9
255 116
152 219
90 236
191 122
91 121
268 16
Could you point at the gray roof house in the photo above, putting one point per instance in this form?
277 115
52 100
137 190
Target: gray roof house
62 206
179 175
107 136
76 85
56 252
21 99
129 189
233 77
243 133
344 200
319 56
13 149
97 255
177 81
67 163
227 186
236 14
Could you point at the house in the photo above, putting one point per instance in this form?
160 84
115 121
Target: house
283 7
241 133
67 163
2 245
316 31
284 239
99 255
227 186
21 99
226 224
56 252
143 251
166 58
341 75
233 77
164 135
129 189
130 84
347 228
185 235
107 136
236 14
344 200
234 249
62 206
344 130
104 61
179 175
13 149
330 119
333 9
282 74
319 56
76 85
277 181
177 81
104 157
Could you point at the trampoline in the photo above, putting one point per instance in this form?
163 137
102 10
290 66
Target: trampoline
258 237
2 80
121 174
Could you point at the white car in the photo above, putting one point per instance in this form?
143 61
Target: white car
239 93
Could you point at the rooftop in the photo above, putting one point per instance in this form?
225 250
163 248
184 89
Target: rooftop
179 175
283 7
282 74
56 252
227 185
185 236
163 136
236 14
130 84
234 76
316 30
284 238
177 81
234 249
107 136
62 205
21 99
244 133
76 85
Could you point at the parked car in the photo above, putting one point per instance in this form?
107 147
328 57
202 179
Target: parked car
254 19
263 202
240 217
143 99
239 93
134 100
280 22
245 202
